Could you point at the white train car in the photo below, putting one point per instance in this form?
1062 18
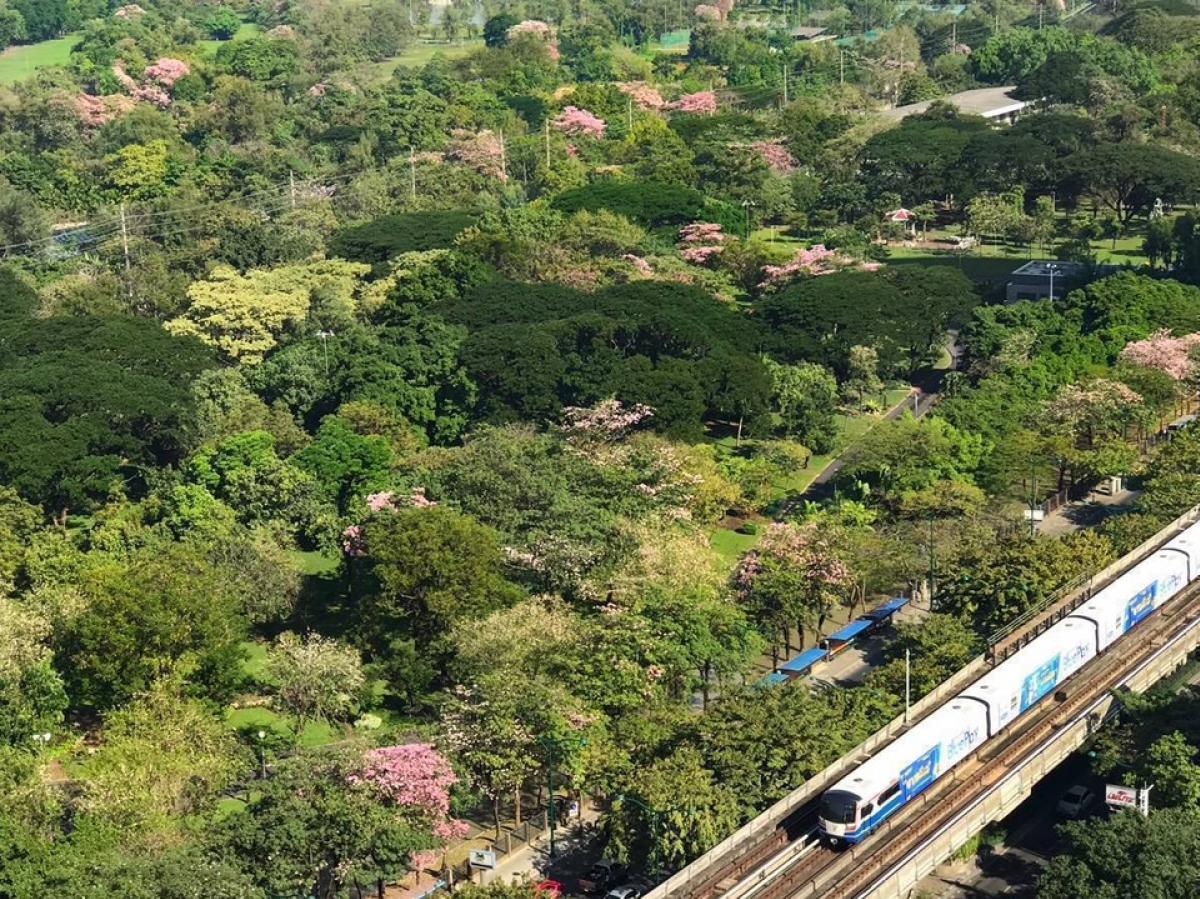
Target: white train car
1021 680
858 803
1126 601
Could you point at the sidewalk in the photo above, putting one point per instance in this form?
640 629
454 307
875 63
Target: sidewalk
1086 513
574 853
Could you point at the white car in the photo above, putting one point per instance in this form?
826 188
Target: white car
625 892
1076 802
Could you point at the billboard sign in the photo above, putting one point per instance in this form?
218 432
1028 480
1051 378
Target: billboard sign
1120 797
483 859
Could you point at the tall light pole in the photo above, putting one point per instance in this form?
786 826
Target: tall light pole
1053 267
325 335
907 682
746 204
552 745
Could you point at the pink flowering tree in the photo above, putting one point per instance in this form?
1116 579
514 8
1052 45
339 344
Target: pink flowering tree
1175 356
701 242
794 577
607 421
417 779
157 80
354 538
579 123
166 71
537 31
640 265
483 152
812 262
1092 413
699 103
776 156
707 13
97 111
645 96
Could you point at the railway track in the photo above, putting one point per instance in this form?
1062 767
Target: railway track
801 868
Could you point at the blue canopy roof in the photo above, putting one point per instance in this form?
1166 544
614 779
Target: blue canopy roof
889 608
851 630
804 661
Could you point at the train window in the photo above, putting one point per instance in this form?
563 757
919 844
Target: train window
867 809
889 794
838 807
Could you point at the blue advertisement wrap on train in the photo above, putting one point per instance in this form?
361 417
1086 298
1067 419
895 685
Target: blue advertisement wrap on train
920 773
1039 682
1140 606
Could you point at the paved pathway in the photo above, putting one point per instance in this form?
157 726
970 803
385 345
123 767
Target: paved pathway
1087 512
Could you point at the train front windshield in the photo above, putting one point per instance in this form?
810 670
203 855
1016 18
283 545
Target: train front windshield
838 808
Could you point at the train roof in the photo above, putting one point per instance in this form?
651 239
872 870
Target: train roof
1153 568
883 769
1008 677
1188 541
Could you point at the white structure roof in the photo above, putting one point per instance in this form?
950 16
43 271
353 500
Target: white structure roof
989 102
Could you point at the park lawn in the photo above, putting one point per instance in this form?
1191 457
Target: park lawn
254 662
315 563
417 56
248 30
315 733
18 63
730 545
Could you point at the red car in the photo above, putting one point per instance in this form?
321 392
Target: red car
549 889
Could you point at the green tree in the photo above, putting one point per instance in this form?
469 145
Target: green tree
162 756
1127 856
426 569
308 830
345 464
165 610
805 398
315 677
681 813
222 23
937 646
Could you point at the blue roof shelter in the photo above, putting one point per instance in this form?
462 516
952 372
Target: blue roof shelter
887 610
838 641
802 663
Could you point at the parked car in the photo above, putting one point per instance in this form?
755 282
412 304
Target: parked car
549 889
601 876
626 892
1076 802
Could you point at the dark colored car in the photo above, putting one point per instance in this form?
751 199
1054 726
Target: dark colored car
602 876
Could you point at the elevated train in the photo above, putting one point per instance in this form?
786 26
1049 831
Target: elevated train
874 791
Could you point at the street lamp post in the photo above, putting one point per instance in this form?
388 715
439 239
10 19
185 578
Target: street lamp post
262 755
552 745
1053 267
325 335
746 204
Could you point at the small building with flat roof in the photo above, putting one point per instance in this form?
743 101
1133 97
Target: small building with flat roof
1043 279
996 104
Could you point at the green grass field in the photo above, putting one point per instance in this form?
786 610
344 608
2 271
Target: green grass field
315 563
248 29
18 63
417 56
730 545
